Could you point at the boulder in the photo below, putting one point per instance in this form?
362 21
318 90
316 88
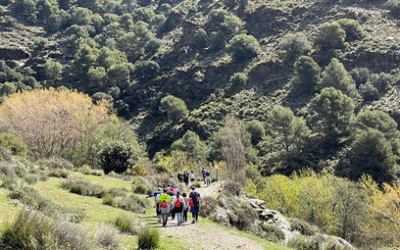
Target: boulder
258 202
273 216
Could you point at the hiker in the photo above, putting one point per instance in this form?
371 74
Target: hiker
192 177
165 205
180 177
208 178
203 172
194 202
156 196
186 178
185 207
178 207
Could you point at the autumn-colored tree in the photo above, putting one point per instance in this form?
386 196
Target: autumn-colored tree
49 120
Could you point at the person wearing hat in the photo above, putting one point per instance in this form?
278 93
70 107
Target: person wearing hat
194 203
156 196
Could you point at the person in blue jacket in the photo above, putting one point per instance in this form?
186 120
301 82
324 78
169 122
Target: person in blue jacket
156 195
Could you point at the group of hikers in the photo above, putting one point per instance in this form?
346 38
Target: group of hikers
171 203
185 176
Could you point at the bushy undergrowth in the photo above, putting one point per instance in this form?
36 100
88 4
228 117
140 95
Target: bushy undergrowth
108 236
58 173
303 227
208 206
126 224
273 232
83 187
57 163
32 230
148 238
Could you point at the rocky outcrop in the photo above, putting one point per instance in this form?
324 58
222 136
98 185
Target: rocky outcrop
17 53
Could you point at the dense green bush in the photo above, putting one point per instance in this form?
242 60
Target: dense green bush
354 31
15 144
330 36
257 131
174 107
200 39
148 238
307 74
243 47
360 75
381 81
117 156
274 233
146 70
368 91
294 46
335 75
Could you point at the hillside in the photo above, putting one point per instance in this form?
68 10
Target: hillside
276 96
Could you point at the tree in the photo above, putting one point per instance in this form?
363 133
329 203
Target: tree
174 107
307 74
335 75
380 121
288 132
330 36
50 121
195 148
332 112
372 154
243 47
200 39
117 156
233 151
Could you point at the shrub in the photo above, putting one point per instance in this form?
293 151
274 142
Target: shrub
303 227
243 47
32 230
58 173
148 238
5 154
117 156
83 187
208 206
13 143
354 31
126 224
196 185
200 39
174 107
8 21
108 236
56 163
146 70
301 243
381 81
256 129
40 42
360 75
31 178
294 45
273 232
243 215
140 190
393 6
368 92
330 36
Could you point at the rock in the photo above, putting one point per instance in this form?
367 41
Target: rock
253 204
258 202
17 53
273 216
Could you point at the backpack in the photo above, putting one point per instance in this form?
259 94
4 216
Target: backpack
195 199
178 203
164 204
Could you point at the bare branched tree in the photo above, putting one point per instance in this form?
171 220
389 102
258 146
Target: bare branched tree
233 151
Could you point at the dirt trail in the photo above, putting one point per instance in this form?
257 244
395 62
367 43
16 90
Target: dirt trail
206 236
